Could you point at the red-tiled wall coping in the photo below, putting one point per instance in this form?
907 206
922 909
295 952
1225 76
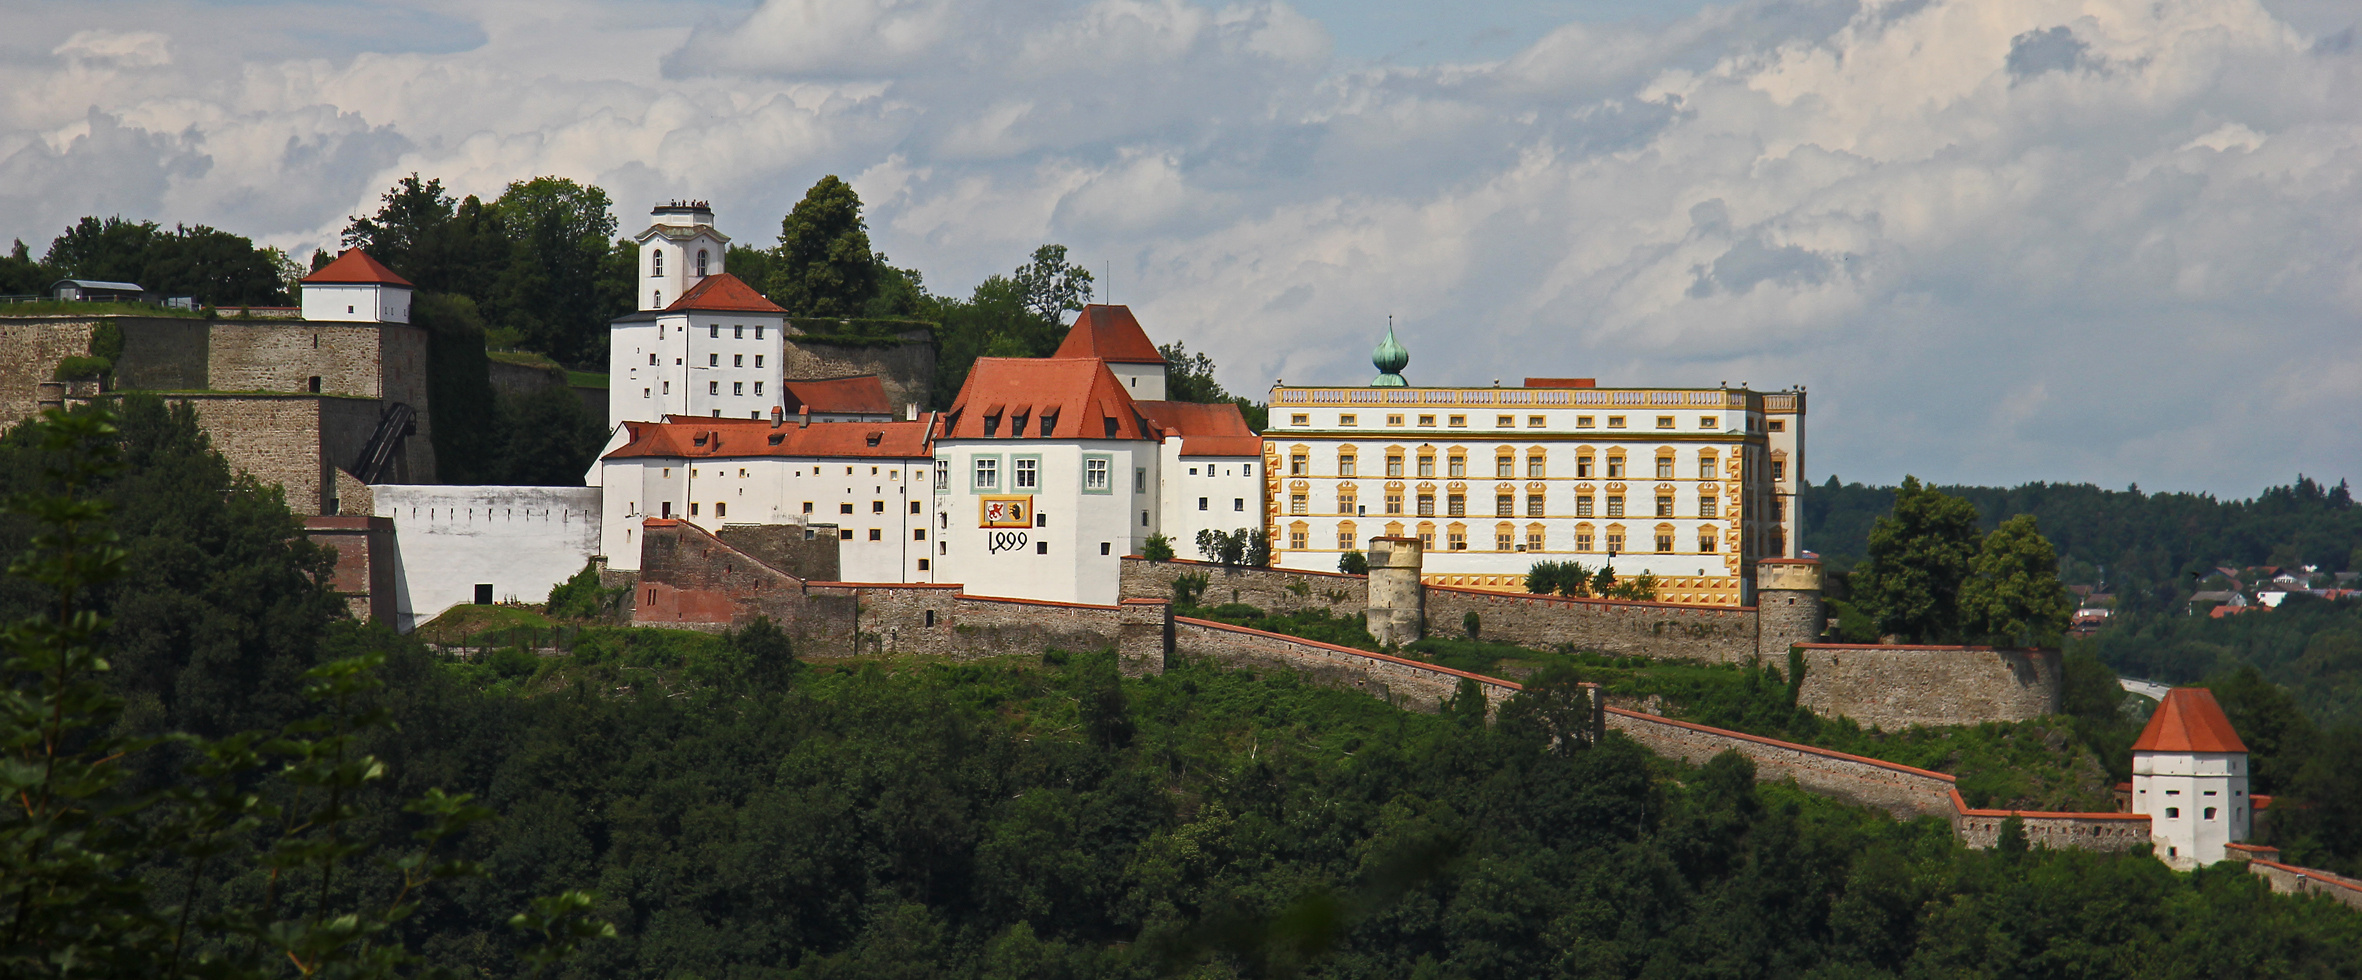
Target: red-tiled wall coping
1591 600
1915 646
1776 743
1316 644
1037 602
886 585
1216 564
1962 806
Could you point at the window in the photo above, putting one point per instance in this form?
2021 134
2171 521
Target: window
1505 422
1664 542
738 387
1459 466
845 508
1426 505
1041 547
1346 463
1427 420
914 506
713 387
1299 419
1458 421
1298 535
1394 501
713 360
1095 473
876 534
1583 505
1536 466
1299 503
1026 472
721 509
713 330
1615 505
1705 421
758 336
1706 540
1583 538
1345 535
701 258
758 389
1583 421
1456 537
1201 503
988 473
656 263
1615 421
1456 504
1533 537
1664 467
668 387
992 426
1347 500
807 506
2208 813
1533 505
1238 504
1615 540
693 508
1427 466
1504 466
1504 538
1664 421
1299 464
1394 464
1708 506
1536 422
1345 420
1706 466
1394 420
659 302
942 475
758 357
2173 813
877 506
738 331
1583 467
1779 470
1505 505
1427 536
1778 425
1664 505
737 360
1615 467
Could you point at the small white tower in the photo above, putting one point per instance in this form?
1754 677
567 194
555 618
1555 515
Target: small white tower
2189 774
677 251
356 288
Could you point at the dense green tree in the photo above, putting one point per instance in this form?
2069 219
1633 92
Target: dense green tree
213 266
560 235
551 438
21 274
466 433
1017 315
1919 557
2013 596
824 265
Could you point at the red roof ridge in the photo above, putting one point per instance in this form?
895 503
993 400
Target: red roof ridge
723 292
355 267
2189 720
1109 333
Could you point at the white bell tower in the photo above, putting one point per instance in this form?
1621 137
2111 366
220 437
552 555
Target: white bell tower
677 251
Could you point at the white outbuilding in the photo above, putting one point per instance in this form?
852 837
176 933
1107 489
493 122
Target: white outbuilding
356 289
2189 774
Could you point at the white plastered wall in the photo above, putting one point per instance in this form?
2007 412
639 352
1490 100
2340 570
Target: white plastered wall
449 539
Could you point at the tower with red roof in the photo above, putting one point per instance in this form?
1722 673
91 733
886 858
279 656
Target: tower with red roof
703 343
2189 774
356 288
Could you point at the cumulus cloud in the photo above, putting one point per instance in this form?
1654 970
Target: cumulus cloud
1999 239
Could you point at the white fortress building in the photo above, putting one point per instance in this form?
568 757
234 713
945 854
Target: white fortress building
1690 485
703 343
2189 774
358 289
1041 476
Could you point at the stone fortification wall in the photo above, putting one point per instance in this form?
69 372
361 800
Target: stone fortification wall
1901 790
163 353
1394 680
1269 589
30 348
520 541
287 355
2083 831
274 437
1895 687
1718 634
790 548
907 369
2288 879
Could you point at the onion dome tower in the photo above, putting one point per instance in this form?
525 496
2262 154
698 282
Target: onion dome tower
1390 359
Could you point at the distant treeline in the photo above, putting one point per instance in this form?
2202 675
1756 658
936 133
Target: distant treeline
2144 546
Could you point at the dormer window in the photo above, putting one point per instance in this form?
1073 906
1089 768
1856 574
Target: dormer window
1049 425
1111 426
656 264
992 426
701 259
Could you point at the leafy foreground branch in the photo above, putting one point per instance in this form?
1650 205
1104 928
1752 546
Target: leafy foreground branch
82 856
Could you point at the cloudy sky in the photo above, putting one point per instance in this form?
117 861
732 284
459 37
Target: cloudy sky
1998 240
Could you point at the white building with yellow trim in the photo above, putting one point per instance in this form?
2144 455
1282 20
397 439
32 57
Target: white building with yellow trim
1690 485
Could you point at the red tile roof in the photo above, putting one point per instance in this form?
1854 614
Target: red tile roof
858 395
1080 392
1205 429
723 293
688 437
2188 720
1562 382
356 267
1109 333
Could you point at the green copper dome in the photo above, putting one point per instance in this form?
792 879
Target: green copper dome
1390 359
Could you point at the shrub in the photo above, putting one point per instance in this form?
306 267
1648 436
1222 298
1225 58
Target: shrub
1158 548
1353 563
80 368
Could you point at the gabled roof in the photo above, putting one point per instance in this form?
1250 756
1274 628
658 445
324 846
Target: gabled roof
1079 392
127 287
861 394
1206 429
1109 333
723 293
689 437
2188 720
355 267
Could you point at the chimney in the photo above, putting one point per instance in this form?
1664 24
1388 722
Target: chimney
804 417
775 416
910 412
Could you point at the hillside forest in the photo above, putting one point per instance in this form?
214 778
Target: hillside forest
214 773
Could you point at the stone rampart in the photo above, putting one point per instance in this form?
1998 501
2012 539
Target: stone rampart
1895 687
906 369
1273 590
2082 831
1718 634
1403 683
1901 790
2288 879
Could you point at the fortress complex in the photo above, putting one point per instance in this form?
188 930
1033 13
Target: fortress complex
1691 485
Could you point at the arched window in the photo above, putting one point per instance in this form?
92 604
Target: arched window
701 259
658 302
656 262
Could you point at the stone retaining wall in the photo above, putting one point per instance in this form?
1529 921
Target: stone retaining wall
1273 590
1901 790
1895 687
1403 683
1719 634
2288 879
